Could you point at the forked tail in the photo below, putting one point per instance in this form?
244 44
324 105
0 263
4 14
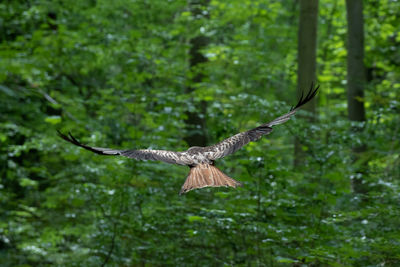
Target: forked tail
205 175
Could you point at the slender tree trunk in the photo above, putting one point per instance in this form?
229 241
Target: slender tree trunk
356 80
307 56
196 120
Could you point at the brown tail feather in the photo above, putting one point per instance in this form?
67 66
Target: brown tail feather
205 175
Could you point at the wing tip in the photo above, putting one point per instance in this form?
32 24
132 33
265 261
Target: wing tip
71 139
310 95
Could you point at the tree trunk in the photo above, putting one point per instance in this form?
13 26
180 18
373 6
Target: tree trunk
196 120
307 57
356 80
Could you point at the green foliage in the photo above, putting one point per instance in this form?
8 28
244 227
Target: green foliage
114 73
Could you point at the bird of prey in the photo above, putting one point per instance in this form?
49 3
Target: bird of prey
202 173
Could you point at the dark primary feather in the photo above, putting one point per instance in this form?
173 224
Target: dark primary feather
234 143
309 96
284 118
180 158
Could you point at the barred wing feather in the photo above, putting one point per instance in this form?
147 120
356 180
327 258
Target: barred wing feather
234 143
180 158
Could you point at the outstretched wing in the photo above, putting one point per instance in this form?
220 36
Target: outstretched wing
234 143
180 158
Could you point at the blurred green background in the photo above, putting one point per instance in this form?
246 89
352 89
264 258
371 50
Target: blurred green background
168 74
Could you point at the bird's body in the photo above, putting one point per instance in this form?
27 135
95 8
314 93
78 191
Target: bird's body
197 155
202 173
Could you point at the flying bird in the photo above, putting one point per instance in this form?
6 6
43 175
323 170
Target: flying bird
202 173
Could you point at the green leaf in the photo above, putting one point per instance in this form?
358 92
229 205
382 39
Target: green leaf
195 218
53 119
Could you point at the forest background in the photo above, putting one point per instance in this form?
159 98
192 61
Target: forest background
321 190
